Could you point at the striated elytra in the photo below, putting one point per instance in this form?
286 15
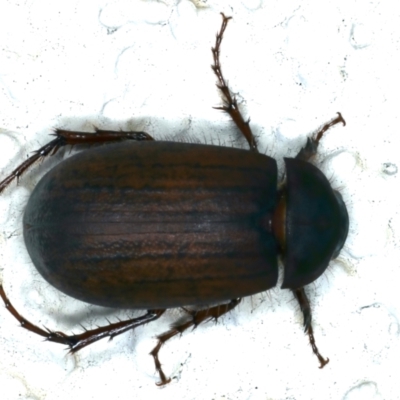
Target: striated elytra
141 224
159 225
155 225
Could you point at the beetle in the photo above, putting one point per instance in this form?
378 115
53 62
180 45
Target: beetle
153 225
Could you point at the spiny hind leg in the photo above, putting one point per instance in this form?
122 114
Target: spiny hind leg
77 342
196 318
64 138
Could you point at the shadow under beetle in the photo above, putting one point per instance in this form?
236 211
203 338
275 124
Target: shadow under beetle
153 225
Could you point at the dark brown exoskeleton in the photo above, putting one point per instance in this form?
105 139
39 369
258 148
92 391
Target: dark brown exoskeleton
154 225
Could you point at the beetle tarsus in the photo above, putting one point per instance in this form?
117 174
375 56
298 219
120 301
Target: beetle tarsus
311 147
323 361
231 106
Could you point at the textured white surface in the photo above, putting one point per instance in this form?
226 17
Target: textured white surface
145 65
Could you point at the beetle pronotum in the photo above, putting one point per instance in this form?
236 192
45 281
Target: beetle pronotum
153 225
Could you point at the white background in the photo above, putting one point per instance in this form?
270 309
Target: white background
145 65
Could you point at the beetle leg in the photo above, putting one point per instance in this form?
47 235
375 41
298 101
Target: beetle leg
230 106
64 138
304 303
77 342
310 149
197 317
